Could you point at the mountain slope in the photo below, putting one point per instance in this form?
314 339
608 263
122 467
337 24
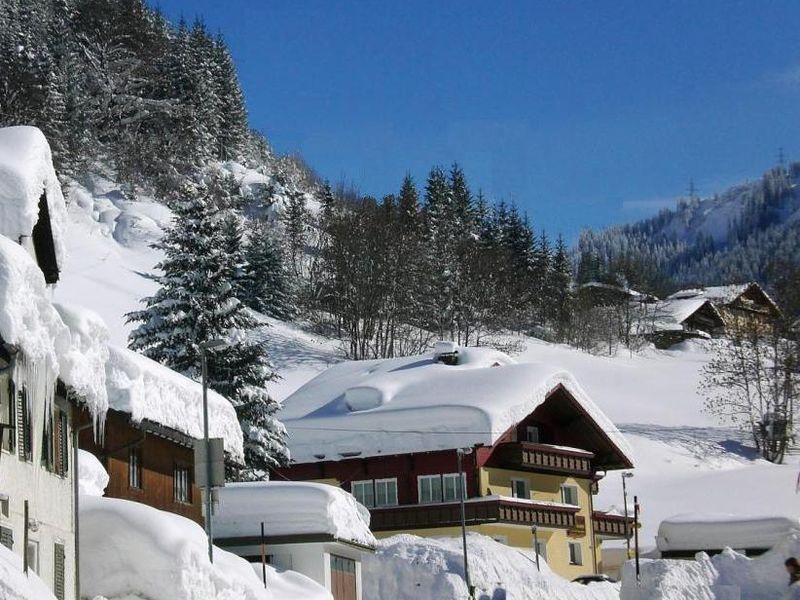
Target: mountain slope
741 234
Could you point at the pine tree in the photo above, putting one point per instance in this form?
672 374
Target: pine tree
267 288
559 296
195 303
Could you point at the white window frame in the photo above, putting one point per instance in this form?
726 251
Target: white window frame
528 429
463 486
135 471
578 560
369 483
574 488
33 560
386 480
433 499
525 483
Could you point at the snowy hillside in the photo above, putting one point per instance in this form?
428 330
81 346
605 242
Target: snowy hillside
734 235
684 461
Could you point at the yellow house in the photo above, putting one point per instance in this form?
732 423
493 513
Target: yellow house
524 440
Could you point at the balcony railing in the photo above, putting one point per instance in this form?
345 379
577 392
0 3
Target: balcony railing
608 525
542 457
491 509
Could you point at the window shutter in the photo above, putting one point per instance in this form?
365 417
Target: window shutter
21 425
58 575
7 537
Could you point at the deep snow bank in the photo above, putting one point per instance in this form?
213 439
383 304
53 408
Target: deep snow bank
133 550
14 584
726 575
407 567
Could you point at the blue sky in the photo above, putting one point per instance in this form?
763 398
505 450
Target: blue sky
584 113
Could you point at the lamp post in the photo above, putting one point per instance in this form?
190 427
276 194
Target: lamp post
213 344
626 475
460 452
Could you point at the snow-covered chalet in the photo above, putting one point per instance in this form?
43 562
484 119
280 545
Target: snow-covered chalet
739 305
45 375
534 447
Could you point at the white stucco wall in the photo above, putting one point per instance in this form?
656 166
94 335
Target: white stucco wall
50 505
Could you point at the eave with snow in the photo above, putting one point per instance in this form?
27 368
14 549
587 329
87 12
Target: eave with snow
678 319
397 424
737 303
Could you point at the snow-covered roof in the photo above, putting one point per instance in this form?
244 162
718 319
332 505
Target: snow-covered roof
26 170
710 531
720 294
373 407
675 311
289 508
31 323
148 390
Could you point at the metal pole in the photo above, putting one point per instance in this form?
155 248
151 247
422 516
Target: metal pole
459 453
25 539
209 530
536 545
627 531
263 557
636 534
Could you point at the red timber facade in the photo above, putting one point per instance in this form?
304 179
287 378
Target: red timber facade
542 472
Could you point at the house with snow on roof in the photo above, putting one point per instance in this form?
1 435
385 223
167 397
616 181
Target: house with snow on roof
675 320
154 420
46 373
533 447
739 305
316 529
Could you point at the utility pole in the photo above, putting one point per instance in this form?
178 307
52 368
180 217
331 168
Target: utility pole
692 189
626 475
460 452
636 533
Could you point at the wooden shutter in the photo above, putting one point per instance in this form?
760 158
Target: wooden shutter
7 537
22 412
58 574
60 450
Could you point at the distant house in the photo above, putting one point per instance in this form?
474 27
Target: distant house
155 417
597 294
389 431
683 536
678 319
744 304
44 374
313 528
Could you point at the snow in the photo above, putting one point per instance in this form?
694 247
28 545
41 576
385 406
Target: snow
676 311
407 567
148 390
720 577
15 585
714 531
131 550
291 508
389 406
720 294
26 170
92 476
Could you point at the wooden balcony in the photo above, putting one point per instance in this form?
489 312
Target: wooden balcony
543 458
491 509
611 526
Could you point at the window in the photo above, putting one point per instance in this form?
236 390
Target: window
429 488
33 555
519 489
135 467
7 413
569 494
4 506
182 484
47 443
364 492
532 434
575 554
342 564
450 486
7 537
541 549
386 492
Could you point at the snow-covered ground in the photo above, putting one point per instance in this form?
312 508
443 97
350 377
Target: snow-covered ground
684 461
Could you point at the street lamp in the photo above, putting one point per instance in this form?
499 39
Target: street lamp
626 475
209 345
460 453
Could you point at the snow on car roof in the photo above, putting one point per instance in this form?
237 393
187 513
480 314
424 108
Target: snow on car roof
291 508
148 390
373 407
26 170
714 531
